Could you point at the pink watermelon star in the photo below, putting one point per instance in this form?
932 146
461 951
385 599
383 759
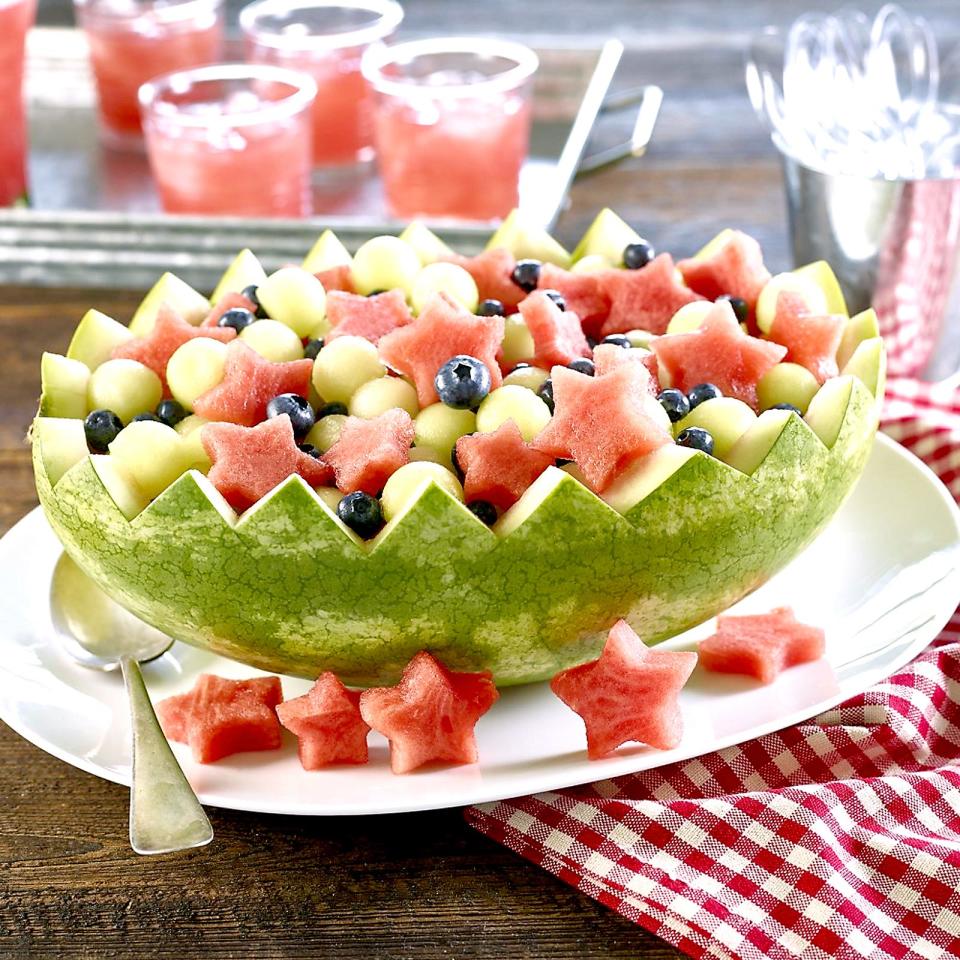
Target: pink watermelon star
631 693
250 461
609 356
761 645
499 466
443 330
337 278
736 269
557 335
430 714
327 723
718 352
368 317
492 272
249 383
602 423
811 341
644 299
369 451
169 333
584 294
229 301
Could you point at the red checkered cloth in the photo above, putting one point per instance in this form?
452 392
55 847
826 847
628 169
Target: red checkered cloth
837 838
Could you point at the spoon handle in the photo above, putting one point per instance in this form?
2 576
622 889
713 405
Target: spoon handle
165 814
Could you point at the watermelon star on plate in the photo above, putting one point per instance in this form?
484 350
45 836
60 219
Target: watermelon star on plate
250 461
811 340
629 694
602 423
734 267
369 451
249 383
430 714
368 317
443 330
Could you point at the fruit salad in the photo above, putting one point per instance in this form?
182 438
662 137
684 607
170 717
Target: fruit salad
494 457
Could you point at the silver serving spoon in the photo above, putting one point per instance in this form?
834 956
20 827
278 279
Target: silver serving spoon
165 814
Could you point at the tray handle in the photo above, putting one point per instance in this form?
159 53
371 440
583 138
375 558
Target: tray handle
650 99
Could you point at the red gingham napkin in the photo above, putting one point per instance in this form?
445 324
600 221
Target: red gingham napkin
837 838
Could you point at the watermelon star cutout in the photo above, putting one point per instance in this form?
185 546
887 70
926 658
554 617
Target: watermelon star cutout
443 330
811 340
169 333
369 451
492 271
735 268
249 383
368 317
250 461
717 352
629 694
557 335
228 302
429 716
602 423
327 723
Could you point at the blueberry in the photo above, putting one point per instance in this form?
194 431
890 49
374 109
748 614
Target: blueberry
101 428
637 255
582 365
309 449
251 294
619 340
545 393
491 308
483 510
361 513
701 392
296 408
146 416
377 292
329 409
696 438
557 297
740 309
312 348
675 402
457 469
239 318
592 343
462 382
526 275
787 406
170 412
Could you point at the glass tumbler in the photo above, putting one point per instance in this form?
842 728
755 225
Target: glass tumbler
16 17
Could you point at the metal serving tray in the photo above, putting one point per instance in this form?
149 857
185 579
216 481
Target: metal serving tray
95 218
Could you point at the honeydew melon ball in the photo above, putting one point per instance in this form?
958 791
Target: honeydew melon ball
296 299
326 431
273 340
331 496
429 455
726 419
193 450
405 485
515 403
530 377
378 396
383 263
591 264
448 278
343 366
517 340
126 387
805 286
689 316
195 368
438 427
151 453
787 383
639 339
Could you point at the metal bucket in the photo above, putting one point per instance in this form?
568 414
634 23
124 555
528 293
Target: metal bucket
894 245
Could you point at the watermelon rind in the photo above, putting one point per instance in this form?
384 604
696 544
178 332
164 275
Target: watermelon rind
526 240
178 295
429 247
245 271
95 339
822 274
606 236
63 386
328 252
862 326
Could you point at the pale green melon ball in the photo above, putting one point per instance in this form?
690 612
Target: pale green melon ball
639 339
273 340
345 365
448 278
151 453
326 431
383 263
689 316
406 484
126 387
296 299
787 383
428 455
530 377
515 403
726 419
811 292
517 340
591 264
378 396
193 450
195 368
438 427
331 496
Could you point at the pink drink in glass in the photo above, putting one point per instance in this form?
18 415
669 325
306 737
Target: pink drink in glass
452 125
132 41
230 140
326 39
16 16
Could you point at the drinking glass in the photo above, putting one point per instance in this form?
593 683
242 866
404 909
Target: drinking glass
133 41
230 139
326 39
16 17
452 124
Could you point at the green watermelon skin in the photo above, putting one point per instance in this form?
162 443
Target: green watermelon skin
289 590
